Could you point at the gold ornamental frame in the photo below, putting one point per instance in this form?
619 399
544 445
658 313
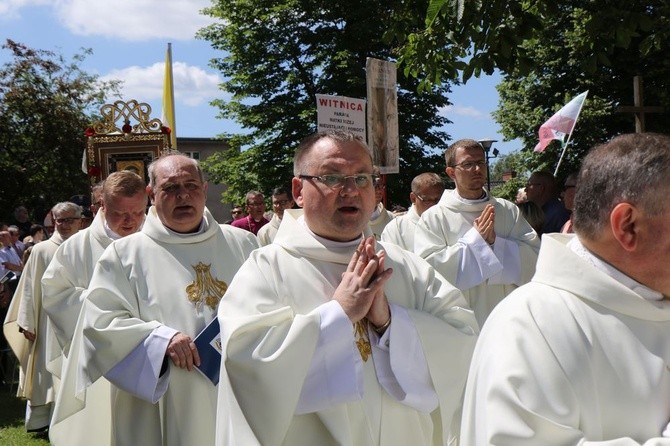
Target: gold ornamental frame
125 138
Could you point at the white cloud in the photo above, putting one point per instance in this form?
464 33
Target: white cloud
461 110
193 86
10 9
133 20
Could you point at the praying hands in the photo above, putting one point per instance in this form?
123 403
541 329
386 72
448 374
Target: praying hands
361 291
485 224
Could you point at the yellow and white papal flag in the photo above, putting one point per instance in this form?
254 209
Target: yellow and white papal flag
168 117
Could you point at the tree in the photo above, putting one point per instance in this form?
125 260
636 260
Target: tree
279 55
45 105
514 164
563 54
474 37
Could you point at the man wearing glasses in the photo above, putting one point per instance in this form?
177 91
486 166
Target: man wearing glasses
427 189
123 203
281 200
26 327
479 243
331 337
255 219
236 212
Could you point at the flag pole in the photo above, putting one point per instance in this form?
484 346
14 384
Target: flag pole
567 141
168 98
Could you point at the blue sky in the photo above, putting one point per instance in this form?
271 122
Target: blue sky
129 39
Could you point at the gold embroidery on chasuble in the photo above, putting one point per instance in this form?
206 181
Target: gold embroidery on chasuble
205 288
362 340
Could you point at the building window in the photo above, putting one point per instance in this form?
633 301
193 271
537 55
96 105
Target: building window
194 155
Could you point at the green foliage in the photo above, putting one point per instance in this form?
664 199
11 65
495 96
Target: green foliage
477 37
471 38
565 54
278 55
509 189
45 105
516 164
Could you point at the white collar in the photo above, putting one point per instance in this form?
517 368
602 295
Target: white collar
576 246
484 198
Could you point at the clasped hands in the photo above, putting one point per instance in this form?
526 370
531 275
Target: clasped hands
183 352
361 291
485 224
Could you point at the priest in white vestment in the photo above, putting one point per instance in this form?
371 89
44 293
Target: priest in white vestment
327 341
151 294
281 200
427 188
480 243
27 328
64 283
380 216
581 354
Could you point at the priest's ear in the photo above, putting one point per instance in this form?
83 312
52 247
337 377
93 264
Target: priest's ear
296 190
451 172
625 223
150 194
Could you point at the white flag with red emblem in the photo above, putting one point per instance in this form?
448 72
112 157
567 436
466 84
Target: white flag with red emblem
561 124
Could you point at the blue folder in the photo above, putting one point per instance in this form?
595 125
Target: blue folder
208 343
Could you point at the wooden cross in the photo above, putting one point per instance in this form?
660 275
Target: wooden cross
639 109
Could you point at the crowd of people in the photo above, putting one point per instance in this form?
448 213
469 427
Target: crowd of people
468 319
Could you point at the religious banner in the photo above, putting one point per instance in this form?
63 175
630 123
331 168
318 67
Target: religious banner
341 112
126 138
383 137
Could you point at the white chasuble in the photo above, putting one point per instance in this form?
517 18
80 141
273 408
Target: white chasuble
36 382
400 230
446 238
572 358
271 328
268 231
147 286
64 287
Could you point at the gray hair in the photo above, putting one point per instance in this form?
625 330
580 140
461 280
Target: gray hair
169 155
66 206
339 136
253 193
630 168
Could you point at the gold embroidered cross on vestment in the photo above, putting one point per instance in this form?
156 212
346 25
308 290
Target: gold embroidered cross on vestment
362 340
205 288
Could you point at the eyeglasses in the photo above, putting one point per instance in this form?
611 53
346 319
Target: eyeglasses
335 181
280 203
235 212
69 220
470 165
427 200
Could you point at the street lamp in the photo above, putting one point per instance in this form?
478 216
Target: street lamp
486 145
